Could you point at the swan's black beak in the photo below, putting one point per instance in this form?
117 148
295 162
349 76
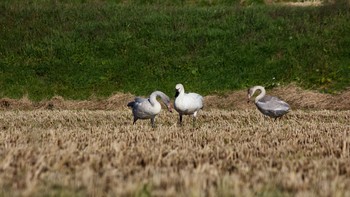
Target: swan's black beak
177 93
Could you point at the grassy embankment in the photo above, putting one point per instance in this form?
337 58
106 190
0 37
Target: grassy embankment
78 50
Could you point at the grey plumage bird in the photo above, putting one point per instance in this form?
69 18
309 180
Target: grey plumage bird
187 103
149 108
268 105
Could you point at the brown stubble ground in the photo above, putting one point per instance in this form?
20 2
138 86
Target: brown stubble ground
229 152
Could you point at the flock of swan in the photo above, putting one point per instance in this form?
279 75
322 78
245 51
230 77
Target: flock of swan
191 103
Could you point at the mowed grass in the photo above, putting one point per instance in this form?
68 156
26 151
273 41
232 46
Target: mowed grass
228 153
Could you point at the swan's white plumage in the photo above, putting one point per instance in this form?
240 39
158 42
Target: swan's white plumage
187 103
143 108
268 105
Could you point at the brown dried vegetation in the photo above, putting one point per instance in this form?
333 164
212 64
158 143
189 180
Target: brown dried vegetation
295 96
230 152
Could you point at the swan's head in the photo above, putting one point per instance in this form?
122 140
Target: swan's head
166 101
178 88
250 94
252 90
170 107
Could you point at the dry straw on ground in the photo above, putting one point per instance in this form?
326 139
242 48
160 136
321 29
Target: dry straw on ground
230 152
54 150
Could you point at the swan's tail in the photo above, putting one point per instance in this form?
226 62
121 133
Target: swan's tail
131 104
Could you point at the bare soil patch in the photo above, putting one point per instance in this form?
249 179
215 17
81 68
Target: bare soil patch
302 3
297 97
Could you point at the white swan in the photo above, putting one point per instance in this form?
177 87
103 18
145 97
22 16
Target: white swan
268 105
148 108
187 103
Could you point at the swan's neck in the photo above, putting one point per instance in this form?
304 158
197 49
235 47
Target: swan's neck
153 98
182 92
262 93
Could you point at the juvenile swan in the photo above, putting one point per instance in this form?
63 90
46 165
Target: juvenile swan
148 108
268 105
187 103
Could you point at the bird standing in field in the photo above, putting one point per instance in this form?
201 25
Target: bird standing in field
187 103
148 108
268 105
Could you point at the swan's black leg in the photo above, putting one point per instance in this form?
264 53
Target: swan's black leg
152 122
135 119
280 117
180 122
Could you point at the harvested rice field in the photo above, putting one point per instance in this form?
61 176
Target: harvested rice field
50 150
